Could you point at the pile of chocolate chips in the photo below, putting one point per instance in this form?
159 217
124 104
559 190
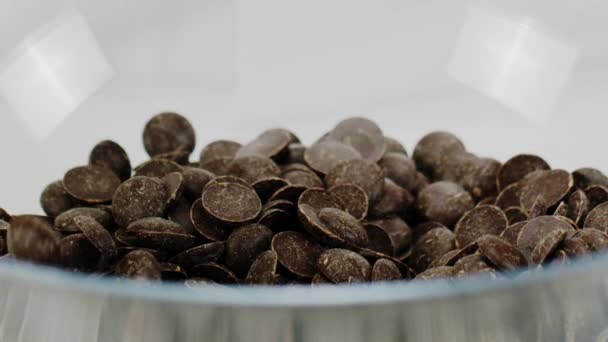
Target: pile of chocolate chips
351 207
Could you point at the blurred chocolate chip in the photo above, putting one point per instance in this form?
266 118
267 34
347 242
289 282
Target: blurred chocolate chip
509 196
54 200
538 208
395 200
32 238
597 194
97 235
396 230
307 179
76 252
320 279
345 226
598 218
595 239
430 154
441 272
253 168
139 264
588 176
578 206
156 224
219 166
172 272
65 221
561 210
516 168
385 270
394 146
271 143
157 168
112 156
515 214
400 169
296 153
363 135
477 222
575 246
174 184
324 156
265 187
511 233
472 264
204 225
444 202
167 132
195 180
219 149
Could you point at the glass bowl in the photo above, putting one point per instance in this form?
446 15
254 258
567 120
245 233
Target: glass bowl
506 77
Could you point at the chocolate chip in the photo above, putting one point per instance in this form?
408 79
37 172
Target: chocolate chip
538 208
271 143
156 224
398 232
180 214
266 187
395 200
219 166
344 266
180 157
140 265
195 180
515 214
353 199
432 150
500 252
97 235
54 200
65 221
561 210
578 206
598 218
588 176
509 196
400 169
319 199
596 239
385 270
472 264
369 176
441 272
431 246
296 153
536 229
575 246
264 270
297 253
112 156
204 224
324 156
516 168
231 202
278 220
450 258
244 245
320 279
547 245
424 227
216 272
165 241
312 224
158 168
363 135
511 233
209 252
394 146
307 179
379 239
478 222
345 226
253 168
174 184
487 201
137 198
444 202
597 194
420 183
76 252
373 256
91 184
551 185
172 272
219 149
168 132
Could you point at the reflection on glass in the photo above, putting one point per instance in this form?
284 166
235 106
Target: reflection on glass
52 72
512 60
